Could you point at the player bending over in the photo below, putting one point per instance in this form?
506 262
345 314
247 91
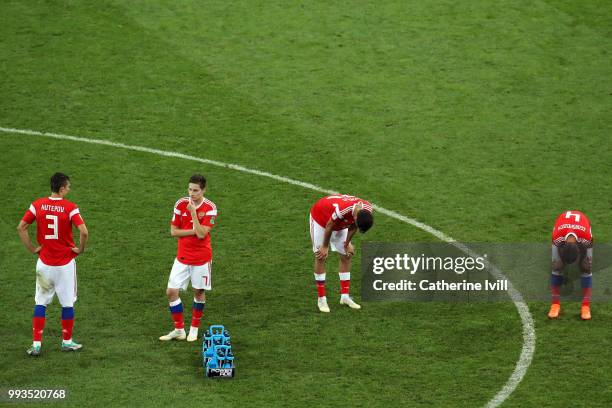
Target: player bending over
193 218
334 220
572 240
56 267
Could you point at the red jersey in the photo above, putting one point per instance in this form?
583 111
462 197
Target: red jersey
54 218
191 249
338 208
572 223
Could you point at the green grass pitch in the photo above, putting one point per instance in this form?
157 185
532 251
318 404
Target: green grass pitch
482 119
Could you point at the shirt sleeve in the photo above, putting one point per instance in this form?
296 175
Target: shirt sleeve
210 218
176 217
75 217
30 215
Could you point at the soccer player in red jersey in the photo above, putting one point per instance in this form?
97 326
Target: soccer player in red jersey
333 221
56 267
572 240
193 219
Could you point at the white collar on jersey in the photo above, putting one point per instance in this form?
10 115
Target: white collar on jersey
569 234
201 204
56 198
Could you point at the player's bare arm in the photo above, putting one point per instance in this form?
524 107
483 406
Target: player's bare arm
348 247
22 230
324 249
200 230
177 232
83 236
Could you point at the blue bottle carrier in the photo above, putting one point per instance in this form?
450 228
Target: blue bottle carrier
217 353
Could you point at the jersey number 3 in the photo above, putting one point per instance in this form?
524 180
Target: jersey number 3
52 226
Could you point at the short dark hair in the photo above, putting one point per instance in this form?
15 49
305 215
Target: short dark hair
364 220
198 179
568 252
58 180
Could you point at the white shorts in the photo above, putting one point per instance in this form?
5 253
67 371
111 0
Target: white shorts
52 280
336 242
200 276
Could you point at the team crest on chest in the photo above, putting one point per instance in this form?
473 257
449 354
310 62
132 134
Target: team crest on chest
201 214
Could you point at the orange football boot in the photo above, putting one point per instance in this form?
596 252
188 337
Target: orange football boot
555 309
585 312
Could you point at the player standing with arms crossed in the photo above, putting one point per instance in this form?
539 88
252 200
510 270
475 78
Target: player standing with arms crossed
194 216
572 240
334 220
56 267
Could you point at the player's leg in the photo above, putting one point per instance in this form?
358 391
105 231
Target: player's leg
316 237
179 278
200 281
45 290
337 241
66 288
344 272
586 283
556 280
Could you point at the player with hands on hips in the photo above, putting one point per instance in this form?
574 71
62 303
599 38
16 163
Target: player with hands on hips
334 220
56 267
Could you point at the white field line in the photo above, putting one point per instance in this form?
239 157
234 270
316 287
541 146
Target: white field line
529 335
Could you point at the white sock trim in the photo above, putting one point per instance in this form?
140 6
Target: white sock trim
197 301
344 275
319 276
36 343
175 302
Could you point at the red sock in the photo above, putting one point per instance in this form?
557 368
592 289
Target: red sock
586 296
556 295
38 322
67 322
320 280
176 309
345 282
196 313
67 325
556 280
38 326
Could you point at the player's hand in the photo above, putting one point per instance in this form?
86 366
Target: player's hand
322 252
76 250
37 250
190 207
358 207
349 249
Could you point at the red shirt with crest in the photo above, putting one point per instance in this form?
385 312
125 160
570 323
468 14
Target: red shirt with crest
191 249
338 208
54 218
572 223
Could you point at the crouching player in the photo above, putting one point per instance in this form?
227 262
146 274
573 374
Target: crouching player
333 221
572 241
193 218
